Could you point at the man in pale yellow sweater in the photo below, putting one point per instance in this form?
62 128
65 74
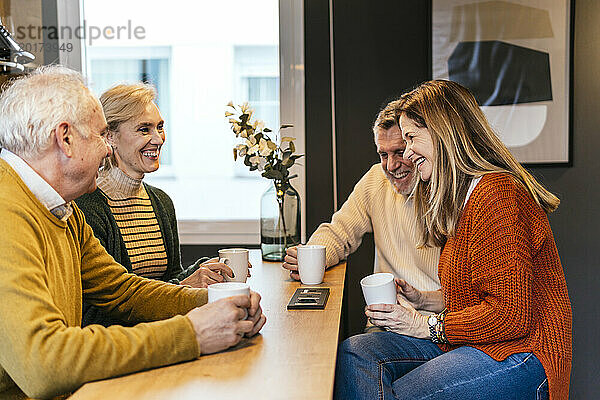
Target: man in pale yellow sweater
52 138
379 204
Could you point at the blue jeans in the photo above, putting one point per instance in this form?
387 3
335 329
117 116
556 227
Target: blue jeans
386 365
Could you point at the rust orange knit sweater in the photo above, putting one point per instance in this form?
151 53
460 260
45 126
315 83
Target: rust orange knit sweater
503 282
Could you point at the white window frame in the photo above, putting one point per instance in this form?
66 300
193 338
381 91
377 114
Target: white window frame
243 71
70 13
291 110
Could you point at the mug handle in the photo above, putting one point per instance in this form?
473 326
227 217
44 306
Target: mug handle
226 261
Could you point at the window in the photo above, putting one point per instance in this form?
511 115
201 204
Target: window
257 80
201 55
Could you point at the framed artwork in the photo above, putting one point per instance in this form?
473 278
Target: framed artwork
516 58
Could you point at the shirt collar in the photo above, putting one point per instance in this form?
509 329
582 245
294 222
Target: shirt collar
38 186
474 183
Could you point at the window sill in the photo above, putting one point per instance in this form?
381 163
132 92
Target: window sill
219 231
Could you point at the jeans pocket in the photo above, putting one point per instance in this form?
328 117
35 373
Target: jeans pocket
542 391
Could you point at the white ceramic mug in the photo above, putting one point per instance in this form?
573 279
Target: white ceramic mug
379 288
237 260
311 264
221 290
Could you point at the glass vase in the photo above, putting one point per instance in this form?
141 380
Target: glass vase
279 220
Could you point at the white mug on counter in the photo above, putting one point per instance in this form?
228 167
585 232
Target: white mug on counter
311 264
237 260
221 290
379 288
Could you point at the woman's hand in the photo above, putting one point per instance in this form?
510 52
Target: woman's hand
411 294
211 271
400 318
420 300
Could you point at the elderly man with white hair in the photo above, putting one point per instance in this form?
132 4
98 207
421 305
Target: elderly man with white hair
52 135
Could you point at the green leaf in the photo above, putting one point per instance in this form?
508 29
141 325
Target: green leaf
234 154
292 147
283 126
272 174
267 130
244 118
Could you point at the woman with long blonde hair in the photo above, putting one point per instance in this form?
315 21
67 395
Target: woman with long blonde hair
501 325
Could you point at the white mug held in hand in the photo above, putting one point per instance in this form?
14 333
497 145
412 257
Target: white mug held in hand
218 291
237 260
311 264
379 288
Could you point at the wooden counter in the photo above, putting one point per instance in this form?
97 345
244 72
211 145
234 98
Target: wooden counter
292 358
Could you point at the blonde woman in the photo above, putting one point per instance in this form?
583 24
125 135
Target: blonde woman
501 324
135 221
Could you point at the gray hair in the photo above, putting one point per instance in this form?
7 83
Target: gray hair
32 106
386 118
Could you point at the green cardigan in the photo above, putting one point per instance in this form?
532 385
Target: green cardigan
99 216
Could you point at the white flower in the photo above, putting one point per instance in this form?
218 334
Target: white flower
244 133
255 160
258 125
264 148
252 145
230 104
245 107
261 164
242 149
228 114
235 127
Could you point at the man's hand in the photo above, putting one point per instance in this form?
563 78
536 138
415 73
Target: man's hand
255 314
211 271
400 318
291 262
221 324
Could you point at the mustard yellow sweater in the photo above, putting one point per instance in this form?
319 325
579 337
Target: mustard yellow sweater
46 266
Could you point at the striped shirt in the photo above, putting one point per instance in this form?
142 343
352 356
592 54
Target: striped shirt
137 222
